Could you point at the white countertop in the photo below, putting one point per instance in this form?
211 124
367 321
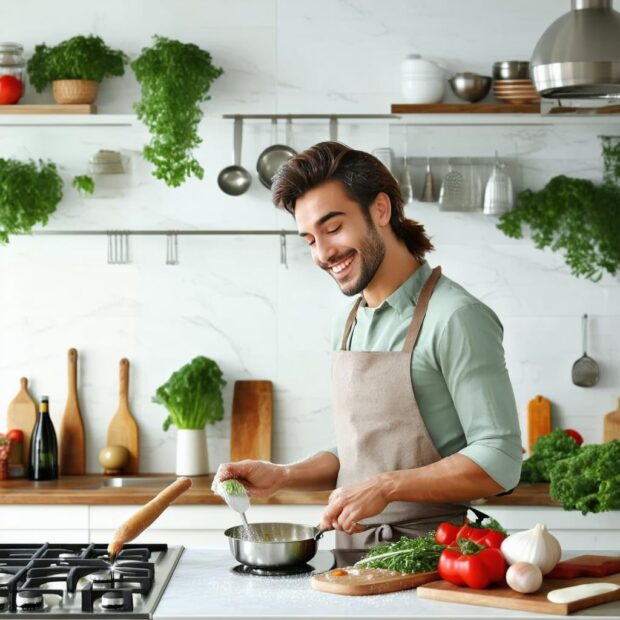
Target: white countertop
203 586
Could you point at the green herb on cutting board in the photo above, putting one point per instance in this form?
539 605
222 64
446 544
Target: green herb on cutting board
408 555
193 395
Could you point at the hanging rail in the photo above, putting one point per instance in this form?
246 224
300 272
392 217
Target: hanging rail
293 117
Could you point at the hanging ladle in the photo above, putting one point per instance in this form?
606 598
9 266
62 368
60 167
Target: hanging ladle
235 180
275 155
585 369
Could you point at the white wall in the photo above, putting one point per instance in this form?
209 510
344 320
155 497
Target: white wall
229 298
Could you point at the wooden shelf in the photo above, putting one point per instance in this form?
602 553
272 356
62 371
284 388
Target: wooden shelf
48 109
465 108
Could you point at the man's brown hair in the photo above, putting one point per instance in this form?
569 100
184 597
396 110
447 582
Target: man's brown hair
363 177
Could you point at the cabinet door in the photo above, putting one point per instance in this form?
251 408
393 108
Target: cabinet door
43 523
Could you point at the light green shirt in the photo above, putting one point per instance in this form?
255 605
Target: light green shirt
458 370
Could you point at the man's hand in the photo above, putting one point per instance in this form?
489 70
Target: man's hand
260 478
350 504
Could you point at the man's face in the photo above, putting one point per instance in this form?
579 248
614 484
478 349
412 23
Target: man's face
342 241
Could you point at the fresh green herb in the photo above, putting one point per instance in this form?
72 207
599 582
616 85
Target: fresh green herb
84 184
408 555
233 487
193 395
174 78
489 524
78 58
29 194
547 451
611 159
589 480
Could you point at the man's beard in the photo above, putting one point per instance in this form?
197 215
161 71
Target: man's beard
371 254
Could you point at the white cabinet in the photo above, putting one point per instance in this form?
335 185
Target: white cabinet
36 523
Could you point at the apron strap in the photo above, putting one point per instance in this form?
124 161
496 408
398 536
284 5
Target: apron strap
349 323
420 310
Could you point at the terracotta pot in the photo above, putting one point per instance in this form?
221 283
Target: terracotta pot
74 91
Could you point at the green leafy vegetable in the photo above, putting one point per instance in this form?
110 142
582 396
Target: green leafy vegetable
78 58
589 480
84 184
233 487
547 451
174 78
193 395
408 555
29 194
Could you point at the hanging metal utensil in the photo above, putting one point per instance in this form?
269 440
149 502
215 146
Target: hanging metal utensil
172 249
585 370
333 129
273 156
235 180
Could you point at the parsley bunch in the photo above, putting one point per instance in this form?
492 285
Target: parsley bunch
29 194
408 555
174 78
78 58
546 452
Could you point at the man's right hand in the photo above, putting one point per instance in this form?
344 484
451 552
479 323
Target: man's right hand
260 478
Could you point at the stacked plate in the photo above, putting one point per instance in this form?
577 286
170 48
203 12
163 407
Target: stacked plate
515 91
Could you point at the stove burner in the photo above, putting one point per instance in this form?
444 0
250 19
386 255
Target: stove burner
67 556
4 602
284 571
103 576
27 599
112 600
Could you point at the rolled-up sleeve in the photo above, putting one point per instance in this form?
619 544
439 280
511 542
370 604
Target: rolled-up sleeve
472 361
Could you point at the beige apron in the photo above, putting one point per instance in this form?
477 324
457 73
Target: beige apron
379 429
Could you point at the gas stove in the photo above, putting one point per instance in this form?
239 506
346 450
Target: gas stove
78 581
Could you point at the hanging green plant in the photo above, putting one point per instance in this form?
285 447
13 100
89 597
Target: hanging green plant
576 216
78 58
174 78
29 193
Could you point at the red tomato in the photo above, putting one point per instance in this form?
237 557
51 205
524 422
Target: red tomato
11 89
15 435
575 435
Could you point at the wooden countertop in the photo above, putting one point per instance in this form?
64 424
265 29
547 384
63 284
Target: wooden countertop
90 490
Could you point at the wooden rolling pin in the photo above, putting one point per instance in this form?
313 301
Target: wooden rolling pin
139 521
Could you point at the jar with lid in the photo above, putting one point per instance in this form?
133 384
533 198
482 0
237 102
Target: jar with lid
12 73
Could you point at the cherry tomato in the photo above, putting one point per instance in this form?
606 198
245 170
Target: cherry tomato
11 89
15 435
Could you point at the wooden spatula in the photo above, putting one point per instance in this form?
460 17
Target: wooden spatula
72 445
611 425
250 432
123 429
22 415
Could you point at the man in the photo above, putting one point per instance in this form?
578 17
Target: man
424 411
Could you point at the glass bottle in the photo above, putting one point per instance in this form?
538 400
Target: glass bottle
43 446
12 67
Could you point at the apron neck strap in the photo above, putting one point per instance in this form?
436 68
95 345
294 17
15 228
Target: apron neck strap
420 310
416 321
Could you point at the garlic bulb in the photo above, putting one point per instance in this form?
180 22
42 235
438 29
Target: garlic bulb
536 546
524 577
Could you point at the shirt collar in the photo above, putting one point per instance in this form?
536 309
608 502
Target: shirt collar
408 293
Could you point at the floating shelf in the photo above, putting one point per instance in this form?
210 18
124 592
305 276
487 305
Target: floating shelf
64 119
48 108
465 108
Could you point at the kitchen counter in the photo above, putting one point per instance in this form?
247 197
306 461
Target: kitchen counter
89 489
203 586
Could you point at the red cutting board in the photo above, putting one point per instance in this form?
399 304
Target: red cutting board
503 597
365 581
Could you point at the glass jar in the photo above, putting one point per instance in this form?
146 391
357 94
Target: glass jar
12 73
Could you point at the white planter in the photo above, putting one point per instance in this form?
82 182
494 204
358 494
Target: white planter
192 452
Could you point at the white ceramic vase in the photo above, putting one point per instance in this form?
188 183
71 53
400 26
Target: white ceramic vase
192 452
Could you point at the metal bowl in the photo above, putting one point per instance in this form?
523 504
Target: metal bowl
470 86
273 545
511 70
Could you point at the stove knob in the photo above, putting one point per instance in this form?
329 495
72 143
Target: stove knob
27 599
112 599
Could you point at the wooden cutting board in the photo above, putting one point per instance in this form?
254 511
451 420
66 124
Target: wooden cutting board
250 432
506 598
123 429
72 443
22 415
586 566
538 420
611 425
366 581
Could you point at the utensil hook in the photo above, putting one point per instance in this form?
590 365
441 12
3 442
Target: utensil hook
172 249
283 258
584 333
238 133
333 129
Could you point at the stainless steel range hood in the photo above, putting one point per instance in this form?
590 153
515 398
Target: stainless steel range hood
579 54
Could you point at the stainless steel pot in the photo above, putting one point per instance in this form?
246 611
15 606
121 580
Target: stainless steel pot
273 545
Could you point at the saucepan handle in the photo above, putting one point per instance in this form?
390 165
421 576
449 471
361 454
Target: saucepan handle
319 534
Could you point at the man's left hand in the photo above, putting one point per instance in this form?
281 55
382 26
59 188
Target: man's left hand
350 504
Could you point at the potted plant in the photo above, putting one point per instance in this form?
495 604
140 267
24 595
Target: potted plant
29 193
193 397
576 216
175 78
74 68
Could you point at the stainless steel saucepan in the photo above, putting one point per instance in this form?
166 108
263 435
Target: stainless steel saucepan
273 545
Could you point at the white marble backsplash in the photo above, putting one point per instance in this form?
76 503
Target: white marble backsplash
229 297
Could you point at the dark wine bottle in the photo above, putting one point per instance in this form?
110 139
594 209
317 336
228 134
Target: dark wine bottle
43 446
